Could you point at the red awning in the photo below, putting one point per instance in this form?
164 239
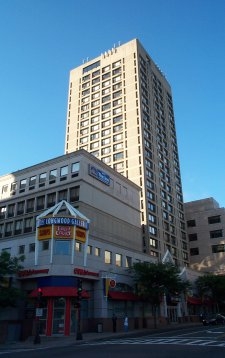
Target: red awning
194 300
123 296
58 292
199 301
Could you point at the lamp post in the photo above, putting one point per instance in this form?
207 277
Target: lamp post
79 298
37 338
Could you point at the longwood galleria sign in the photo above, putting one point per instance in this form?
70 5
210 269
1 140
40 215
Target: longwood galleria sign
62 228
56 220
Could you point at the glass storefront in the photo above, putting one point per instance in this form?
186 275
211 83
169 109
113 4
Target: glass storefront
58 322
43 316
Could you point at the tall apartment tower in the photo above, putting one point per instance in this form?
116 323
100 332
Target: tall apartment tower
120 109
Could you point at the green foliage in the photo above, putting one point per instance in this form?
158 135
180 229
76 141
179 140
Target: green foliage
154 280
212 286
9 266
9 296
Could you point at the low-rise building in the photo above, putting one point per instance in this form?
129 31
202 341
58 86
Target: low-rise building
77 221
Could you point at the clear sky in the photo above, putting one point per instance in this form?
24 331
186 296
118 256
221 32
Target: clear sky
42 40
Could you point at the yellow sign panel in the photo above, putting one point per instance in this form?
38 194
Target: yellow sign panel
44 233
61 232
80 235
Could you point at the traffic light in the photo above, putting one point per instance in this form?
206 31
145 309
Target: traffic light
79 288
40 293
39 296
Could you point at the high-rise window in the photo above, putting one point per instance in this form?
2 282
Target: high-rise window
191 223
11 210
53 175
32 247
1 230
32 181
194 251
64 170
18 227
128 262
118 260
23 183
193 237
216 233
42 178
108 257
97 251
9 229
74 194
20 207
40 202
62 195
214 219
51 200
28 224
218 248
21 249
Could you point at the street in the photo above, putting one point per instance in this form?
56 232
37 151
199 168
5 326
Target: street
207 341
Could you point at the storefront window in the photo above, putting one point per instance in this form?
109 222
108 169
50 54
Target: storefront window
43 317
59 315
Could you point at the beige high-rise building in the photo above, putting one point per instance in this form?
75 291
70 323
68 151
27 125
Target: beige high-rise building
120 109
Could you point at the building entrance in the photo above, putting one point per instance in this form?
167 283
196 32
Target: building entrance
73 318
58 321
172 313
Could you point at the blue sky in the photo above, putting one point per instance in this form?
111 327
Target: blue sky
42 40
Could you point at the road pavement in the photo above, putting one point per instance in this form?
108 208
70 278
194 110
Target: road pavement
57 341
172 341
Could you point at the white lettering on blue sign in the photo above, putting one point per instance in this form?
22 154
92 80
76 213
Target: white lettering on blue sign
99 174
62 221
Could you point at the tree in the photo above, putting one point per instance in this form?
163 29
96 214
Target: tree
156 280
212 287
153 280
9 267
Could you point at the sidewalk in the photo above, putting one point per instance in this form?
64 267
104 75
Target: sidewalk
60 341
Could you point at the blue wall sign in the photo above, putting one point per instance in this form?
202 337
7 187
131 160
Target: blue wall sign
99 174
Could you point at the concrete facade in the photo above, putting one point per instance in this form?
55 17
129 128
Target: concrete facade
120 109
205 229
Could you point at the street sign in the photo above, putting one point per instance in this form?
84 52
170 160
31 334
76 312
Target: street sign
39 312
112 283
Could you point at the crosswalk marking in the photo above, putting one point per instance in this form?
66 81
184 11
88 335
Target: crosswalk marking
158 341
194 342
207 343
